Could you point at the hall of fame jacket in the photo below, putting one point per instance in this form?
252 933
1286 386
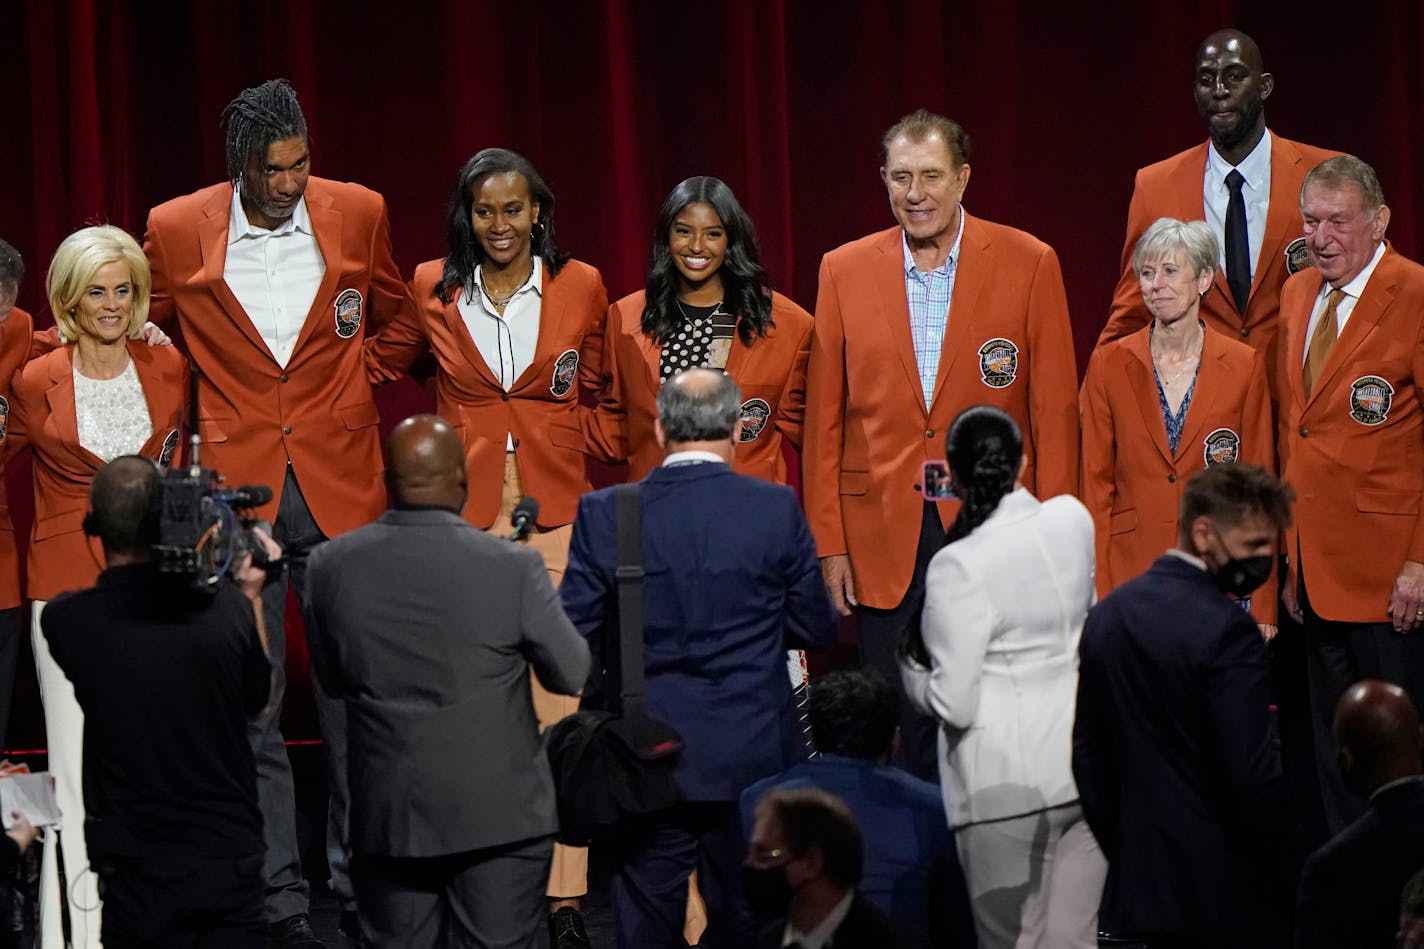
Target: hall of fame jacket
1132 480
15 335
552 432
1354 450
1008 343
770 371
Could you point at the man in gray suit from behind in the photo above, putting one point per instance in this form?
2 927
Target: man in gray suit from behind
426 627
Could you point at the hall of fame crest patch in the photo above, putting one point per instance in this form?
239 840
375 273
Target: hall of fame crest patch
1297 257
170 448
1370 400
998 363
1221 446
348 312
755 414
4 416
565 371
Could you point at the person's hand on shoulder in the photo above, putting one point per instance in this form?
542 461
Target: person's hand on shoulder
250 577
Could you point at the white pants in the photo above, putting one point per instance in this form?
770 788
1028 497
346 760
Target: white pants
1034 881
64 731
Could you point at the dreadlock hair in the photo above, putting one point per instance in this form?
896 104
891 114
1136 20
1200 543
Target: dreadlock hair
258 117
744 284
985 448
465 252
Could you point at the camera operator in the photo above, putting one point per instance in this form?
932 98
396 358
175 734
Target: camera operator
167 677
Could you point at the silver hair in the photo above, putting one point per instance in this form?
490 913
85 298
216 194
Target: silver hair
1335 173
699 405
1168 235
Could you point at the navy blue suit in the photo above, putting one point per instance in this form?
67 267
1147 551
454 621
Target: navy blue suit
911 866
1178 764
732 581
1349 892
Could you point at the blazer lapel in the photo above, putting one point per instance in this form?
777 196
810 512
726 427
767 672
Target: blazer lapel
1378 295
889 280
553 312
63 415
1283 213
326 225
153 387
1142 379
1204 395
972 273
1191 206
460 332
212 237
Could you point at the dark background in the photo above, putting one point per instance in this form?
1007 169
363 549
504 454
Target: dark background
112 107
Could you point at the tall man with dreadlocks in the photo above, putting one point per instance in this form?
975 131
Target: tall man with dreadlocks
272 276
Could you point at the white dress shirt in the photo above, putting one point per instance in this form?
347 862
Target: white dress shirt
1256 192
1345 307
506 343
274 274
820 935
693 458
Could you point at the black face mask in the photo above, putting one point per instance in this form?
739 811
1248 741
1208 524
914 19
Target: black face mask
1241 576
768 892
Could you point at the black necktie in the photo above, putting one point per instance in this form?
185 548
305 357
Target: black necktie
1238 246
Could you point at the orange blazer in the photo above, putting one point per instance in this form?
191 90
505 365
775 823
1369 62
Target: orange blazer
1173 188
1008 342
552 431
15 334
1132 481
61 557
771 373
316 412
1354 451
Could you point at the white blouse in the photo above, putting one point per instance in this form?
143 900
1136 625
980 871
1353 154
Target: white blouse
112 414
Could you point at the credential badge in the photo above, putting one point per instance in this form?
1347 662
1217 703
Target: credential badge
348 313
1220 447
1370 399
565 371
998 363
755 414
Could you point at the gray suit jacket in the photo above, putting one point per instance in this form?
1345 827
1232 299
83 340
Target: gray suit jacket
426 628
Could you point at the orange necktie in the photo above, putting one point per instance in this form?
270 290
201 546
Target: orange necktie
1321 340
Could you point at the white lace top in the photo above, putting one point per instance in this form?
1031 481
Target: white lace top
112 413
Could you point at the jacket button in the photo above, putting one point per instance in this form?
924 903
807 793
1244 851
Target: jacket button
1305 433
1245 332
1171 479
929 433
284 377
286 429
504 396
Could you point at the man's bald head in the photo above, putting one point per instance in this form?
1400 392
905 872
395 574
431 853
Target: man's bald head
425 464
1377 735
700 409
1231 86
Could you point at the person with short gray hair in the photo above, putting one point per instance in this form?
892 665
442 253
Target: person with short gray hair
1169 400
731 581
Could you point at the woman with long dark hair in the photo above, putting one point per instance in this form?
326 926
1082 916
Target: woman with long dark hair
707 304
516 330
1005 600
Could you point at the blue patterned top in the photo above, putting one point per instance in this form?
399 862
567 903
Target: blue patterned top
1174 422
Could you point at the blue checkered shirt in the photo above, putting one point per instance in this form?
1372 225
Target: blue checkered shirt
929 295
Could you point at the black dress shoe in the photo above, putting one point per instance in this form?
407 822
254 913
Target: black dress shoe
294 932
566 929
349 929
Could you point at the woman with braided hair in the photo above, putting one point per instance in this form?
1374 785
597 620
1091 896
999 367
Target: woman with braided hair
1005 600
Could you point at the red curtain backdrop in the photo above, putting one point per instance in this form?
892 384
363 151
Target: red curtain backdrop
112 107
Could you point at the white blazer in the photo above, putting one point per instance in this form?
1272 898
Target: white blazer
1004 609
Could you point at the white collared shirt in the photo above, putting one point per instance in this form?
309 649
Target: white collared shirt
820 935
930 294
506 343
1192 559
1256 192
1345 307
692 458
274 274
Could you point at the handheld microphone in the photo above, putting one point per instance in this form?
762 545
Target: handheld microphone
526 512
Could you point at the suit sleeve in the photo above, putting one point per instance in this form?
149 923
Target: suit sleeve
602 422
612 414
825 420
1416 544
1053 383
810 617
1096 769
553 647
1128 313
957 623
399 342
319 644
1099 469
387 290
1319 920
586 588
1258 439
791 404
161 306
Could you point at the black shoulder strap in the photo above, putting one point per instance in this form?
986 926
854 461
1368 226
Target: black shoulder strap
630 598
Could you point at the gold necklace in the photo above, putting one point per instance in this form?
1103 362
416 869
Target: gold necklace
500 300
697 323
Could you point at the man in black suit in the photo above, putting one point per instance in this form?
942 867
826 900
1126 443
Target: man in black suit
804 861
426 628
1174 748
1350 890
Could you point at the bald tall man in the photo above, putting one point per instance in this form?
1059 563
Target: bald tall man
1349 892
1244 181
426 627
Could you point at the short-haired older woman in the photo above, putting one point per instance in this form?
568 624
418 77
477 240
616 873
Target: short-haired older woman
102 394
1164 402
